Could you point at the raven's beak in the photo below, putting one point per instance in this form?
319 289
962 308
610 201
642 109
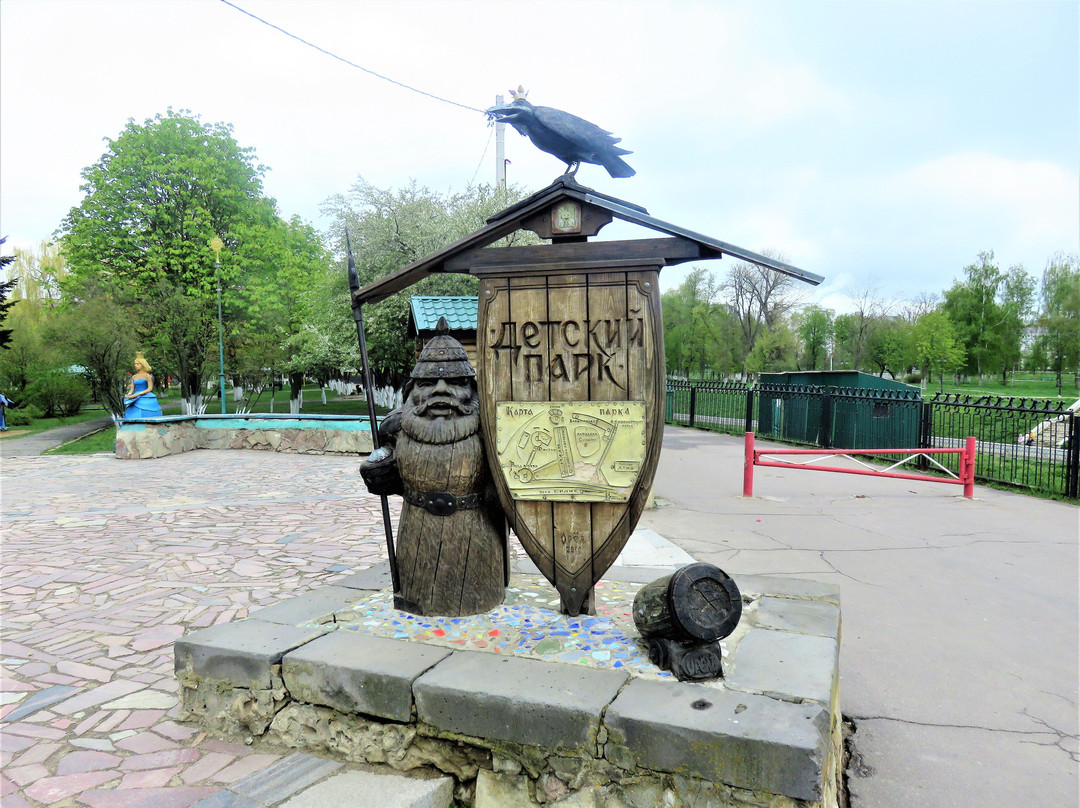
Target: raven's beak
502 112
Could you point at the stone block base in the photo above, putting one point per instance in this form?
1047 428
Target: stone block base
499 704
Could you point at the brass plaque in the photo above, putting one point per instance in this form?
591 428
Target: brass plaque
570 451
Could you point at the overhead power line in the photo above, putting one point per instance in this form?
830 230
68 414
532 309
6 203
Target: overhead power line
346 61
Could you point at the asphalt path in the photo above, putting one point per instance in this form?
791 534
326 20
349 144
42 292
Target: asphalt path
959 655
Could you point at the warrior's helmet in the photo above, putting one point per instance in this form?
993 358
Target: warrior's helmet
443 357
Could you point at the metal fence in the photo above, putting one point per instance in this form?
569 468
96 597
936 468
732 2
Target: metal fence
1028 443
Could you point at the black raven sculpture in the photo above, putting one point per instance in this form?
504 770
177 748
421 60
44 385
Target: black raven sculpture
568 137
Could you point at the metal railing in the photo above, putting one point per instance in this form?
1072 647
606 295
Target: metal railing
1028 443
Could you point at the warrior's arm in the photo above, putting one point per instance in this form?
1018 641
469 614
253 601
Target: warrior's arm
380 473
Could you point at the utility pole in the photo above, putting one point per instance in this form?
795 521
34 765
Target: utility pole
500 149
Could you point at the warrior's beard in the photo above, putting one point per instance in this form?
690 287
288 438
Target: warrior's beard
419 426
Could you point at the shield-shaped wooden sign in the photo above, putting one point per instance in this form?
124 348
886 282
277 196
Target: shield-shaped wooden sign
571 375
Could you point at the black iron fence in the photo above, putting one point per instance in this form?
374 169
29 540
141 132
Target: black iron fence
1032 444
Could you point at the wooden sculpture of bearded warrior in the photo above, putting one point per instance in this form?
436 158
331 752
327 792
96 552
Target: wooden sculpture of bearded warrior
451 547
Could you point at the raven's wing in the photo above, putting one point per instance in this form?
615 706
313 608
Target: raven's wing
576 130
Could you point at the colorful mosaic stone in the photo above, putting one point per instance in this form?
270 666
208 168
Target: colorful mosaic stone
527 624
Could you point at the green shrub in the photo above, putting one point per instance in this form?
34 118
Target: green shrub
23 416
59 393
913 378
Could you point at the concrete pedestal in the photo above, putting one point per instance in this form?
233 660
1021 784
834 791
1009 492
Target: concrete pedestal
525 706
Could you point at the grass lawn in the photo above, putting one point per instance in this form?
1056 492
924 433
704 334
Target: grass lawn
101 441
1040 385
44 424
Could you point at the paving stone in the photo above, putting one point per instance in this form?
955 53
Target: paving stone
227 799
86 761
357 673
735 738
361 789
769 585
243 767
240 653
53 789
145 797
285 777
317 606
210 764
144 699
160 760
43 698
151 778
522 700
374 578
818 617
92 697
144 743
784 665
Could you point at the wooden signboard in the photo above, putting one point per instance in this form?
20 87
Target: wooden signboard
571 379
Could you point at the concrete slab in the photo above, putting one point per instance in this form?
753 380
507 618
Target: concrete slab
740 739
647 548
372 579
364 789
820 618
784 665
358 673
317 606
961 639
285 777
521 700
240 653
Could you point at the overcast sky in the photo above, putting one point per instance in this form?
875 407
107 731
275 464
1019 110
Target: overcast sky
881 143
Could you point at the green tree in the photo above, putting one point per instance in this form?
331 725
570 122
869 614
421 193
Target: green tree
1059 316
891 347
815 328
390 229
989 310
152 203
99 334
855 328
937 347
7 288
697 328
775 350
759 298
40 272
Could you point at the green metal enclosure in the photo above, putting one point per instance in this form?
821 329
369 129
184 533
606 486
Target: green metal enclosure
843 409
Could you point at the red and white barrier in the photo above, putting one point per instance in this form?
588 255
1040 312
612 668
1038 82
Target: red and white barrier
966 476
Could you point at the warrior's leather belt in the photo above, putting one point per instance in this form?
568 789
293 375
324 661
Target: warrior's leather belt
441 503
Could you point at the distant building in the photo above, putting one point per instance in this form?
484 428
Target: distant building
460 314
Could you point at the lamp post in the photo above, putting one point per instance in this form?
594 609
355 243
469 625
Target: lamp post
216 244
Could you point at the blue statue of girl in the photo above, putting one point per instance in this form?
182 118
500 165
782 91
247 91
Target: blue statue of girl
140 399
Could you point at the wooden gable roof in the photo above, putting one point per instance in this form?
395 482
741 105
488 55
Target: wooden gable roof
681 244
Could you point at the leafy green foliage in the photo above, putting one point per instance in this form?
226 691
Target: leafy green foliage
153 202
989 309
937 345
775 350
815 326
698 331
58 393
390 229
6 301
1059 317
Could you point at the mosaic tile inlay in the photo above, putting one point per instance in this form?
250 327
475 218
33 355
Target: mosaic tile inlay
527 624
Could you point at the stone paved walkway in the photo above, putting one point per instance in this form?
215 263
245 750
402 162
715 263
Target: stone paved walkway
104 564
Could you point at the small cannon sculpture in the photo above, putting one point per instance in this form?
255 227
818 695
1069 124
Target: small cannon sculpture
683 617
